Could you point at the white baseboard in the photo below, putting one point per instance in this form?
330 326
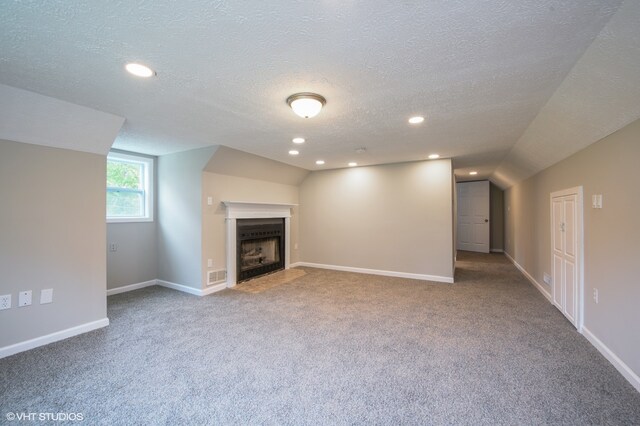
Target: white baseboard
191 290
214 288
533 281
53 337
497 251
123 289
623 368
376 272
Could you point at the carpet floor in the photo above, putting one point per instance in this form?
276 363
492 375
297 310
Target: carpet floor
330 348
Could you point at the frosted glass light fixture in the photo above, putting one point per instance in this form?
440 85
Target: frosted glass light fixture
139 70
306 104
416 120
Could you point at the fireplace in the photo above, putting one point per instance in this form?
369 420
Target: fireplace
261 255
260 245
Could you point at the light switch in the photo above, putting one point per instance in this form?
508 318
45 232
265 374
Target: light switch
596 201
209 263
46 296
210 201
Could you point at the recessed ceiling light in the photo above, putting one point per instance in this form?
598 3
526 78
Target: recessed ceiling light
473 173
293 152
319 162
139 70
353 164
298 140
306 104
434 156
416 120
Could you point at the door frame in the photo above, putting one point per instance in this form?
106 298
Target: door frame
578 191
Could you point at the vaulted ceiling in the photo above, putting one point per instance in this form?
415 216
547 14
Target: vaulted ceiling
501 83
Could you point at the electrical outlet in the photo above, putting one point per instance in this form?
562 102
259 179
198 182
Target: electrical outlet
596 296
547 278
209 263
24 298
113 247
5 301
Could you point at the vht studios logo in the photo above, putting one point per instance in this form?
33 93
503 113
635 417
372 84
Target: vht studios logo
44 417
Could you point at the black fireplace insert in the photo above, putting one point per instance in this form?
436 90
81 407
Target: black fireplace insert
260 245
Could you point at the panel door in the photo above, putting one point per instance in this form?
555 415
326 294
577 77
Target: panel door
473 216
564 222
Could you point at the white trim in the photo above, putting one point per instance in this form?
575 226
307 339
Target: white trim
149 183
578 192
131 287
250 210
497 251
533 281
412 276
53 337
214 288
191 290
623 368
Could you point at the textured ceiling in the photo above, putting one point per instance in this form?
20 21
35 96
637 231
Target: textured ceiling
480 71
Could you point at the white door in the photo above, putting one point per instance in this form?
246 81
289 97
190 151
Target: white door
566 237
473 216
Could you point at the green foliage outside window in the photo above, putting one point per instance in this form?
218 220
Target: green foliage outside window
125 189
124 175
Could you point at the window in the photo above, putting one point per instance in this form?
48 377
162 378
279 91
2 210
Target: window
129 188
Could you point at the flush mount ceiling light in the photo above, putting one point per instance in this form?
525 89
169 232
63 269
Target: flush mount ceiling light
473 173
416 120
353 164
298 140
293 152
306 104
320 162
139 70
434 156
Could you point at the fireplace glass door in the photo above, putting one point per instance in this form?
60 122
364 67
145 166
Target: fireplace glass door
257 253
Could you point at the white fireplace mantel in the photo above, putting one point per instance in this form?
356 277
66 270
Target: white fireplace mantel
250 210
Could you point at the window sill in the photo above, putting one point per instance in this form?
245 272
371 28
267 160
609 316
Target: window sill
130 220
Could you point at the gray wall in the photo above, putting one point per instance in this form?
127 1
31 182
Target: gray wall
179 217
395 217
608 167
497 217
52 235
136 259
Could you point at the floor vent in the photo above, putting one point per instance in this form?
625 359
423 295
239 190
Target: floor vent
216 277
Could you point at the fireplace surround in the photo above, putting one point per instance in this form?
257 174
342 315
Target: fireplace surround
236 212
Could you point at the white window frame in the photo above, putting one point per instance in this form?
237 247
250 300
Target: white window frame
148 177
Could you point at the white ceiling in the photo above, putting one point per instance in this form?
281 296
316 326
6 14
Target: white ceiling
480 71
